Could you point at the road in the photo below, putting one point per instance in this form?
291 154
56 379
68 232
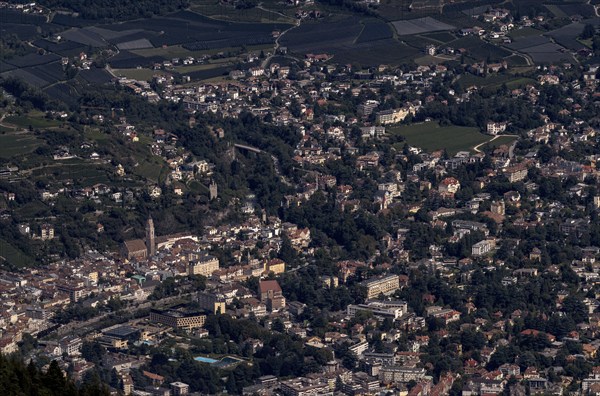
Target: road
266 61
77 325
511 149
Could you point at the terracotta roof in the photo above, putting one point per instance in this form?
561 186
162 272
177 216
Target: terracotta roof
269 285
154 377
135 245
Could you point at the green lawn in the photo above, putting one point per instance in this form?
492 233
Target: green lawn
13 145
507 140
431 136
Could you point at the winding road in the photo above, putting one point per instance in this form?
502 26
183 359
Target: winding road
511 149
266 61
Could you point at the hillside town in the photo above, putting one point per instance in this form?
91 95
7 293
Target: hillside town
301 235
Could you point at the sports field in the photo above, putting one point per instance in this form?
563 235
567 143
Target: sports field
431 136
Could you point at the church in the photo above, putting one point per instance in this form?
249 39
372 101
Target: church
140 249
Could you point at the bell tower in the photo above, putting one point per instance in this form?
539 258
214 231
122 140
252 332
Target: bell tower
150 238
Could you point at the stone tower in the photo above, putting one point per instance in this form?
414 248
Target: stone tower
213 190
150 238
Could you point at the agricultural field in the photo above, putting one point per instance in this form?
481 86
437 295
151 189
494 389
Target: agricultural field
13 144
373 31
379 52
442 37
34 119
516 34
141 74
13 256
224 12
38 70
494 81
516 60
476 10
481 50
420 25
85 174
431 136
547 53
567 35
419 41
555 10
367 42
576 9
321 37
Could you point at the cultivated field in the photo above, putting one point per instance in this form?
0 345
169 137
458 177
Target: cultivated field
494 81
420 25
567 35
34 119
13 256
431 136
12 145
373 31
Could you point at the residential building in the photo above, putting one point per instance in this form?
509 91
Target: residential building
386 284
204 265
402 374
483 247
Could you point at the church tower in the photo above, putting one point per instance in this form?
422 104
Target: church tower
150 238
213 192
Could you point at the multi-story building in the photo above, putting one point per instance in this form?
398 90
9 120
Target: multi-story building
390 309
391 116
365 109
178 318
470 225
203 265
494 128
483 247
305 387
180 388
75 292
46 232
381 285
515 173
276 266
212 302
395 374
498 207
70 345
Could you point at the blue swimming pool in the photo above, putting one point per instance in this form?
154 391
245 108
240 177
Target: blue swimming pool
205 360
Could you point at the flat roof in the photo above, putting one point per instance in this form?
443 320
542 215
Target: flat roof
121 331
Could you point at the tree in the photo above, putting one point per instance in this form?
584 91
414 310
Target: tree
588 31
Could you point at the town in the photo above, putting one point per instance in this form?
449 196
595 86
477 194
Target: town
310 227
